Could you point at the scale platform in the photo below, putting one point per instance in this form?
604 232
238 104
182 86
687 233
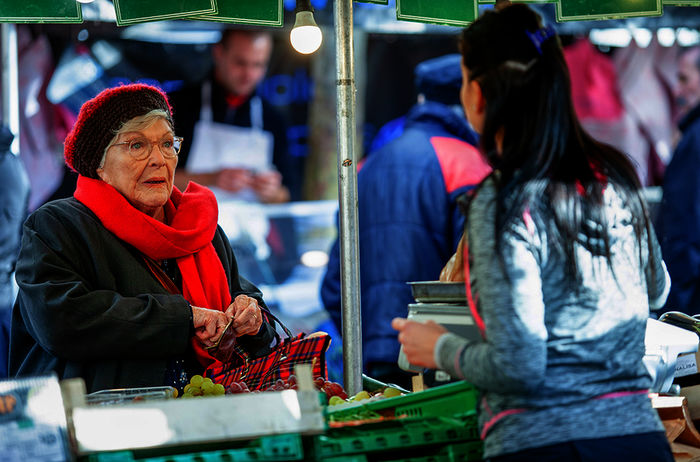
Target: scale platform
454 317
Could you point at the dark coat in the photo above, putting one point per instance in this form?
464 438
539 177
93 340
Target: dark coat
89 307
679 219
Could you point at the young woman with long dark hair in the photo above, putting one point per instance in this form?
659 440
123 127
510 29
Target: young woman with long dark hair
561 262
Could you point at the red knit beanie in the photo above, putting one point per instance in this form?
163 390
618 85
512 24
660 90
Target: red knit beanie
102 116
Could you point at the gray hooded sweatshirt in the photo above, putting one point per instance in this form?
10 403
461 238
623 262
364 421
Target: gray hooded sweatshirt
560 360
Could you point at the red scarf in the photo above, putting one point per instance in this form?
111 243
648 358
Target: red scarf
193 216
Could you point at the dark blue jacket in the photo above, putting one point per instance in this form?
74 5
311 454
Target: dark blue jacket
14 196
14 199
679 218
409 221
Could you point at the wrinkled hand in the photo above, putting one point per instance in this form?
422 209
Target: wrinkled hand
246 314
209 324
234 179
418 340
268 186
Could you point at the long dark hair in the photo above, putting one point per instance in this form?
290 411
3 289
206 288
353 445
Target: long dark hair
545 152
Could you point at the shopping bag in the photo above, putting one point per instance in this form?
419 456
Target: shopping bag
261 373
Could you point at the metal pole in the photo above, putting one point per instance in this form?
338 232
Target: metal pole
347 192
10 88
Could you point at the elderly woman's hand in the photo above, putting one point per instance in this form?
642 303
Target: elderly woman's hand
418 340
246 314
209 324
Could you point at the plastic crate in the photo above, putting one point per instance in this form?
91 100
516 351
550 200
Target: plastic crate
395 435
266 449
443 401
129 395
461 452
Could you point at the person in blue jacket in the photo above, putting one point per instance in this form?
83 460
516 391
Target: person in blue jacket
409 220
14 199
679 216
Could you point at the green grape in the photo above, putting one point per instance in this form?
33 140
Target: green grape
390 392
360 396
197 380
219 389
335 400
208 388
207 380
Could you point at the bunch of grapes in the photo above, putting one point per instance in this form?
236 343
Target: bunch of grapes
237 387
200 386
331 389
279 385
388 392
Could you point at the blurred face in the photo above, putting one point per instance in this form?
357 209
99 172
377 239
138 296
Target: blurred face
472 101
146 183
688 91
240 63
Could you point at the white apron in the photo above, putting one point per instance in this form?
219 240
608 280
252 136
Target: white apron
216 146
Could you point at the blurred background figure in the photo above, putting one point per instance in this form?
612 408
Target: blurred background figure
679 216
688 90
234 141
409 220
14 199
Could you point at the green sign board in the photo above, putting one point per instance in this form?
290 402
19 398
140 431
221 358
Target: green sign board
572 10
137 11
41 11
258 12
682 2
447 12
518 1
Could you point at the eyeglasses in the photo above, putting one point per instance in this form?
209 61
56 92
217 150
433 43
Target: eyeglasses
140 148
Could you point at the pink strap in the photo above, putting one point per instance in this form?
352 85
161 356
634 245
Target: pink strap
492 421
470 299
620 394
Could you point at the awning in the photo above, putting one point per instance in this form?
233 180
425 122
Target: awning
271 12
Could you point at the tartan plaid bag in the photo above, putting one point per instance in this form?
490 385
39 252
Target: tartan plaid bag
260 373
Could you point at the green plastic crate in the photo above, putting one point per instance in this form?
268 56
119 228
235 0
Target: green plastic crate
395 435
443 401
265 449
461 452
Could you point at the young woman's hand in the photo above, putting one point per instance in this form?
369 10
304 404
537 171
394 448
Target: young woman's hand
418 340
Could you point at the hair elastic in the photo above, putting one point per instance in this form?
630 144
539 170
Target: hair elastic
540 36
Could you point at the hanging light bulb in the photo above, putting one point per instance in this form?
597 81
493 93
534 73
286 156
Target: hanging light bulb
306 36
85 1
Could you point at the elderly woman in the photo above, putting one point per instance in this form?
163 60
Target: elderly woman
126 283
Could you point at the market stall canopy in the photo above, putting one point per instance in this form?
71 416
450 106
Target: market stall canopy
271 12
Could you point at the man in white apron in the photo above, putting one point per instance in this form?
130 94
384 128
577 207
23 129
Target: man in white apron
234 143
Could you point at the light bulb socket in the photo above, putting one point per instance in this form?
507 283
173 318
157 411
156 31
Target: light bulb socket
303 5
305 18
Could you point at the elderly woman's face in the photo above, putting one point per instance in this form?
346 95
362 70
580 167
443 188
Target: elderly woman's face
146 183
